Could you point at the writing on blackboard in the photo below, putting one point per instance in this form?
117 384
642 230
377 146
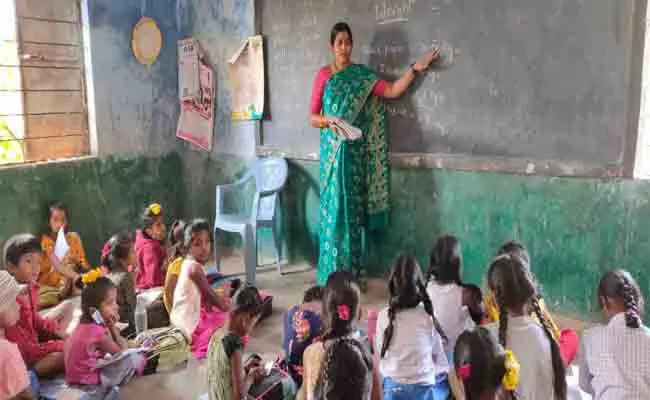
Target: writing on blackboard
390 11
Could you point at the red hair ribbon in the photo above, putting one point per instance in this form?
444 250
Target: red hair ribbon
465 372
343 312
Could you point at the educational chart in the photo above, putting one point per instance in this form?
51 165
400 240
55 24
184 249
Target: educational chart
246 78
526 79
196 95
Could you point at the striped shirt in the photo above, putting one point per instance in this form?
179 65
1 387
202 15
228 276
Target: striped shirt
615 361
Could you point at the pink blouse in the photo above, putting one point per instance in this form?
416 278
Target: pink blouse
324 74
87 344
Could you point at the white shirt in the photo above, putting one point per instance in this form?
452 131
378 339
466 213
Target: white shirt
415 354
615 361
186 310
448 306
532 349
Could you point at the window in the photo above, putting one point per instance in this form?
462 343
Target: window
42 92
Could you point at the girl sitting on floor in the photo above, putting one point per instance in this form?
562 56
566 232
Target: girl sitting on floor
229 377
542 368
485 370
96 337
340 364
57 275
119 256
149 249
175 257
409 330
567 339
457 307
613 359
198 310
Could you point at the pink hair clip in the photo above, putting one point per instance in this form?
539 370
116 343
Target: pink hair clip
465 372
343 312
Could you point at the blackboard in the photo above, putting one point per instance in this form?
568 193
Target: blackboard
533 79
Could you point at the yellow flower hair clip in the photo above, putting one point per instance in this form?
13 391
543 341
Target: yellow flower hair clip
91 276
155 209
511 377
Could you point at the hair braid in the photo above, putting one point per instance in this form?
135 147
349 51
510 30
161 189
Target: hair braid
630 302
559 380
389 331
503 324
428 307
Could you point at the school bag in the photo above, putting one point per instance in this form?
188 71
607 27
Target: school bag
167 344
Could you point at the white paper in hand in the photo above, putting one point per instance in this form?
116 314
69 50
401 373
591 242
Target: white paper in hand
61 247
346 131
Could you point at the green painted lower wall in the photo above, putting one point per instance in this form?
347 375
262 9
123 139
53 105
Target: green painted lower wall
575 228
104 196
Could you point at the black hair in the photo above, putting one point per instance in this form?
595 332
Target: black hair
176 239
339 291
517 249
407 290
446 261
618 284
476 309
343 275
248 301
314 293
486 360
196 226
346 371
92 296
148 216
119 247
514 286
56 205
17 246
340 27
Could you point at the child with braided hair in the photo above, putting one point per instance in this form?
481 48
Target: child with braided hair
459 306
408 330
483 367
567 339
542 374
614 360
340 366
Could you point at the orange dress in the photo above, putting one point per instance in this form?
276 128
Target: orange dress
75 259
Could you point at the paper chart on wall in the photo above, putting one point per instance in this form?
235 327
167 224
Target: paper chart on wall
246 73
196 120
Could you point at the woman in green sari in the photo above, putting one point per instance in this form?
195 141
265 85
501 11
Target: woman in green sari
354 174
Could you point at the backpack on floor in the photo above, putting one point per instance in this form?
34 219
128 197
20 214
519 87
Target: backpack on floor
167 344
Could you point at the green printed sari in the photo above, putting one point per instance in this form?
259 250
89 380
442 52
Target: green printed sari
354 175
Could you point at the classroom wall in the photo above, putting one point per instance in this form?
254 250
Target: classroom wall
104 196
575 228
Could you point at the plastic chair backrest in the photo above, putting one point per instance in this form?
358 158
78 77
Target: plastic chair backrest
270 174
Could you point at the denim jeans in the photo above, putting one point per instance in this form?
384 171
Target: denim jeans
397 391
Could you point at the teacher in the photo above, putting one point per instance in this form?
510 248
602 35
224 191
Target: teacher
354 174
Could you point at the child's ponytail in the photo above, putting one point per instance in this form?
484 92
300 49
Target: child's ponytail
620 285
407 290
559 373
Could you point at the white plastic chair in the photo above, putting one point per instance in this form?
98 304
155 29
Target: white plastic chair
269 176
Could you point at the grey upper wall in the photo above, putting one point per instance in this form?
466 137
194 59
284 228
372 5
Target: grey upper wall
137 108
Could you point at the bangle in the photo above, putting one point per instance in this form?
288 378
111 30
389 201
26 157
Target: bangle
412 68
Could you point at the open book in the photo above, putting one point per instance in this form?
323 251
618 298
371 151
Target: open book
345 130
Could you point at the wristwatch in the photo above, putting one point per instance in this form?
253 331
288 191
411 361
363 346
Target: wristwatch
412 68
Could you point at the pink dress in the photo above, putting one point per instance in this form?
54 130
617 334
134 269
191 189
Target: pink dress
13 373
191 313
151 257
324 74
82 350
